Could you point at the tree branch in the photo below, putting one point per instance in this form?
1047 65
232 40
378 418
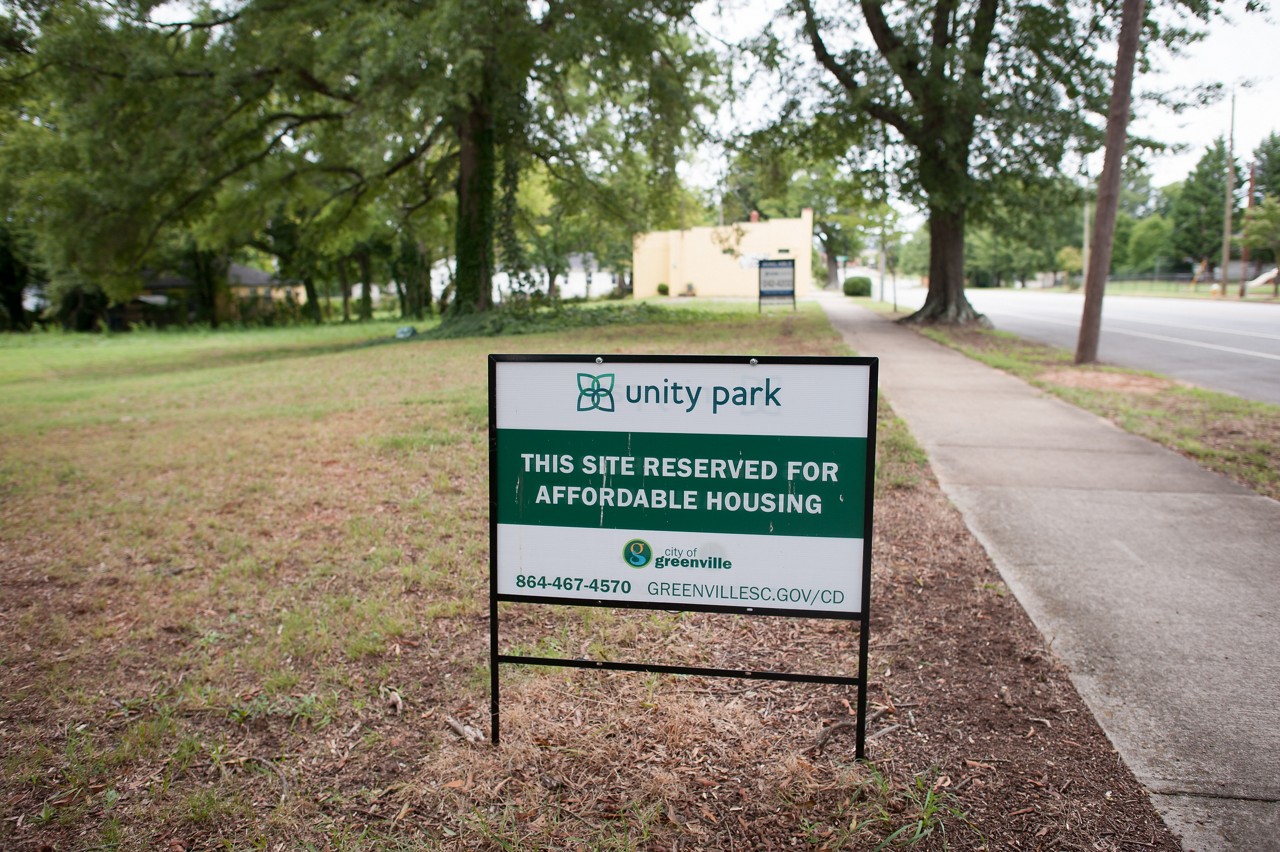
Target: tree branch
841 72
942 17
905 64
984 25
824 57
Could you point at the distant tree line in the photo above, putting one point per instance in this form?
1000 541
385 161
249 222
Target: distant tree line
346 143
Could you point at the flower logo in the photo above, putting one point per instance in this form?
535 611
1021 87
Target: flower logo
595 393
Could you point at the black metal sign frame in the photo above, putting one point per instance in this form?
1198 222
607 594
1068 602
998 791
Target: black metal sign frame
862 617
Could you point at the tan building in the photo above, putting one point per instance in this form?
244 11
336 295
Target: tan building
721 261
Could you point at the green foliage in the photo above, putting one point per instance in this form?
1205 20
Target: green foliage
1149 244
663 289
503 321
1267 170
857 285
993 259
1262 226
331 136
915 253
1198 211
1070 260
1120 241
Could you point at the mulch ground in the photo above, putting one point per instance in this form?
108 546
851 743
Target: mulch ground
287 649
979 739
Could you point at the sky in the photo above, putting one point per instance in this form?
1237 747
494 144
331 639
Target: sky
1241 53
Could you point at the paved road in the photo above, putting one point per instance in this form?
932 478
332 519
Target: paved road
1153 580
1225 346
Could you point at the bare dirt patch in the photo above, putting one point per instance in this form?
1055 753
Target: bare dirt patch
1100 380
1226 434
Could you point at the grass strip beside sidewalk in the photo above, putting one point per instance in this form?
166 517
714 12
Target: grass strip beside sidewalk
1226 434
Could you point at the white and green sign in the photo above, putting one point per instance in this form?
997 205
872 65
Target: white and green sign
777 278
709 483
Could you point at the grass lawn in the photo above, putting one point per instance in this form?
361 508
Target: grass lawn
245 585
245 581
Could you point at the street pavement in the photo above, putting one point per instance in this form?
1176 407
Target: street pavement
1154 581
1223 345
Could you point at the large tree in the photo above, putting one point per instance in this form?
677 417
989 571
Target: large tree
978 92
1262 230
520 72
1266 159
1197 215
138 126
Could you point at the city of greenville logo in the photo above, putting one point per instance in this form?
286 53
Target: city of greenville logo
595 393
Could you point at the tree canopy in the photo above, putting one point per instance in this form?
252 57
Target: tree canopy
354 124
1198 212
982 96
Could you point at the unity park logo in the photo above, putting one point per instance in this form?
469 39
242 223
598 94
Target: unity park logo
595 393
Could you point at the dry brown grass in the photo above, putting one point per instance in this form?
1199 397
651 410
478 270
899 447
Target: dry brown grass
241 595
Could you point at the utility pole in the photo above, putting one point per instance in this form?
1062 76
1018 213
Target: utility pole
1231 181
1244 249
1084 254
1109 183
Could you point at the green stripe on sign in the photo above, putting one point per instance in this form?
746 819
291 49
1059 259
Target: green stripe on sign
749 484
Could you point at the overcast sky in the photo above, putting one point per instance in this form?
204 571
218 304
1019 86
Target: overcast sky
1239 52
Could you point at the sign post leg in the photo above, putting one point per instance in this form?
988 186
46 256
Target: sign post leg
494 721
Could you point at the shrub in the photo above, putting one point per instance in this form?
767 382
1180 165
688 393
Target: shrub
857 285
663 290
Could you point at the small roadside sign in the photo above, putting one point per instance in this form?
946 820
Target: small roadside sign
777 281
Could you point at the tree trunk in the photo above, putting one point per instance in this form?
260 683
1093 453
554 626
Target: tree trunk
12 288
477 171
312 308
946 302
424 302
206 270
833 272
364 262
1104 217
344 280
1201 269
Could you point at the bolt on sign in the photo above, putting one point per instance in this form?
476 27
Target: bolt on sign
702 483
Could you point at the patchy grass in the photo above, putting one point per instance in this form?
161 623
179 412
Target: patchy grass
1227 434
245 578
900 463
245 584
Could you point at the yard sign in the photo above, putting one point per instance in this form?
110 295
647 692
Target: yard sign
720 484
777 281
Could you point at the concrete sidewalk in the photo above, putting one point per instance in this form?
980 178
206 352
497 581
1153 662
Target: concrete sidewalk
1156 582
